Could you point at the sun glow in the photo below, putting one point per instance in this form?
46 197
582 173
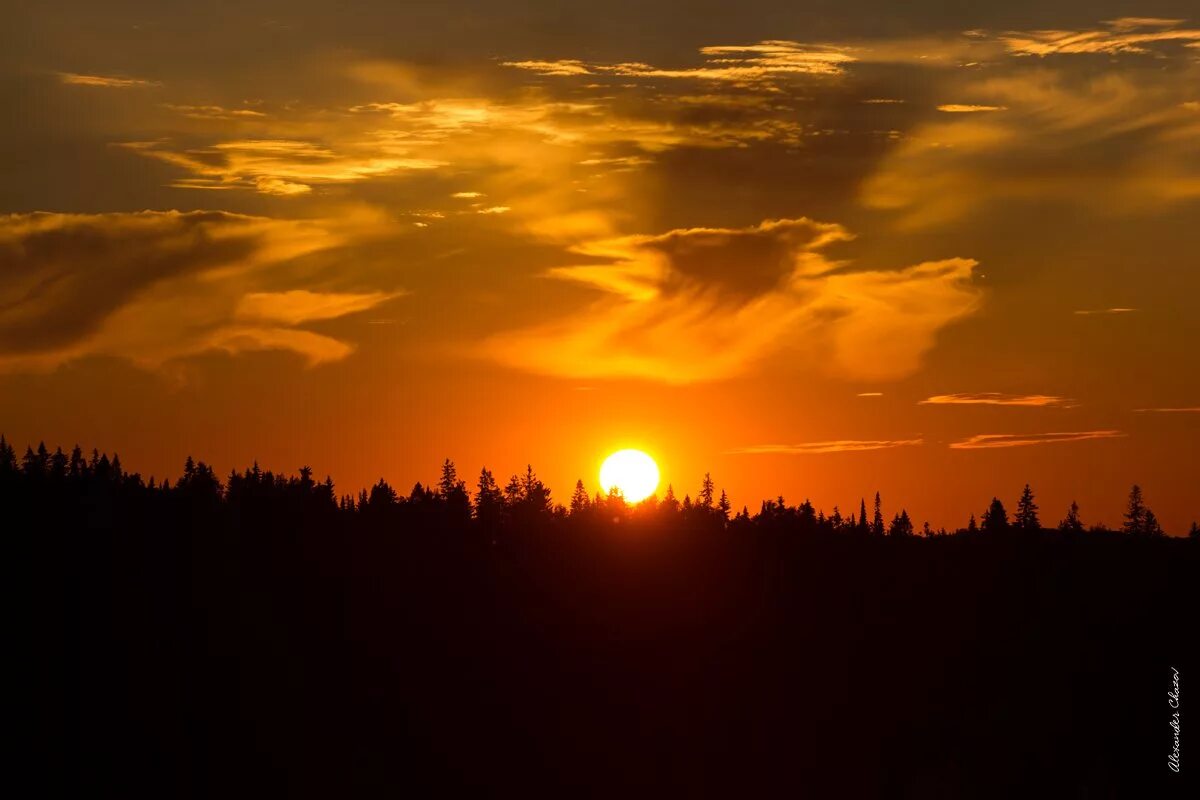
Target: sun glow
631 472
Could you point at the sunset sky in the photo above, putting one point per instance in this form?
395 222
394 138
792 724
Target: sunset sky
816 248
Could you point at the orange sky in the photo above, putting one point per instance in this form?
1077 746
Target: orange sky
817 251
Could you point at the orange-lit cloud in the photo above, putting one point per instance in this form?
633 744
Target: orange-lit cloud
296 306
1080 141
965 108
279 167
709 303
1126 35
155 286
993 440
215 112
810 448
742 64
1184 410
1092 312
565 66
1000 399
105 81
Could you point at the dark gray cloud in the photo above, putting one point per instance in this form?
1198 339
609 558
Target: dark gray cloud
61 275
154 286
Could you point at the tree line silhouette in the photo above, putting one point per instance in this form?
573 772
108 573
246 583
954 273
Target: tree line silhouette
524 501
263 634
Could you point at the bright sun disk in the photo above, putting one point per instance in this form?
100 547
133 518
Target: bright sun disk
631 472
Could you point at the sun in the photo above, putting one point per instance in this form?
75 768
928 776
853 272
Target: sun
631 472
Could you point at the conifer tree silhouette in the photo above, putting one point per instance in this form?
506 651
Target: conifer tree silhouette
1026 518
1151 526
995 519
489 501
1071 523
901 525
704 500
670 505
1135 513
580 500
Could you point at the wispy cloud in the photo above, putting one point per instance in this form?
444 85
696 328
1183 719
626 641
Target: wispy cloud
1119 134
741 64
152 287
962 108
999 399
674 311
869 394
297 306
215 112
812 448
105 81
1091 312
993 440
563 66
1136 35
281 167
1182 410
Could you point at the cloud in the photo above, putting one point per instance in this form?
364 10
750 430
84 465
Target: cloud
1092 312
993 440
959 108
1185 410
215 112
104 81
526 145
1133 23
749 64
810 448
1080 139
156 286
280 167
1136 35
565 66
467 195
869 394
675 308
1000 399
296 306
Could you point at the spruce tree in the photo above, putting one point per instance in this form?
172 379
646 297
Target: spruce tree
995 519
1135 515
723 505
1071 523
707 493
580 500
1027 517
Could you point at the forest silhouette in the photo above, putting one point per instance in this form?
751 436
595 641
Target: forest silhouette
263 634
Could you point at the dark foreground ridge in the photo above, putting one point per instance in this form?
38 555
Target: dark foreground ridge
257 637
